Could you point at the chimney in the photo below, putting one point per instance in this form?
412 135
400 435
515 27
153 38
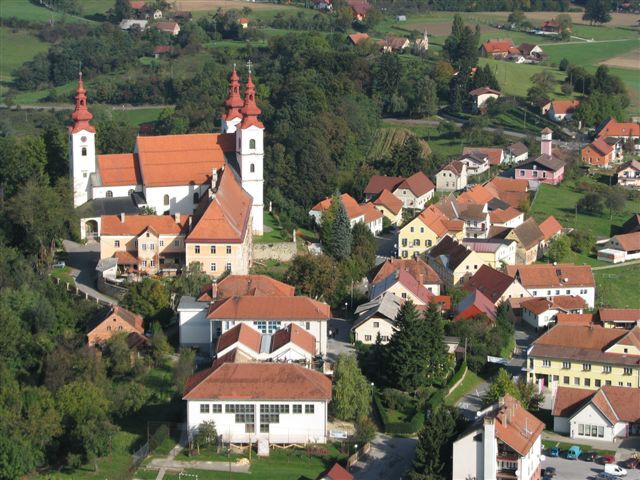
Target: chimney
177 217
214 179
214 290
122 217
190 221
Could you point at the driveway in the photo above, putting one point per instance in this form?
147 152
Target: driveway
390 458
579 469
387 244
524 335
473 401
83 260
338 343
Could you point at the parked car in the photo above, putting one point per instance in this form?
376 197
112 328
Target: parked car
590 456
554 452
550 472
605 459
574 452
59 265
633 462
606 476
613 469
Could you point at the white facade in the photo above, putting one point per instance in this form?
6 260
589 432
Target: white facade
82 163
482 99
410 200
309 426
368 331
587 293
589 417
174 199
375 226
195 329
250 154
117 191
448 181
542 320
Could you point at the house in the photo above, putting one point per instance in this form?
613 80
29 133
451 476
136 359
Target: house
357 213
452 177
372 217
621 248
394 44
547 168
244 22
539 312
598 152
162 51
495 285
475 218
276 402
546 280
551 26
145 243
494 252
531 51
425 230
585 357
422 44
182 16
453 262
129 23
628 174
390 206
403 285
416 267
510 191
560 110
114 320
414 191
336 472
196 331
508 217
289 344
137 5
359 8
632 224
550 229
505 441
528 238
579 319
357 38
170 27
498 48
517 153
481 95
495 155
475 304
619 317
376 317
607 415
622 130
271 313
476 163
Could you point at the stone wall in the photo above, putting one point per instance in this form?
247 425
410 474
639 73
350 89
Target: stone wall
110 289
282 251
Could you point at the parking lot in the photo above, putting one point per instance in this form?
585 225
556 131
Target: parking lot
581 470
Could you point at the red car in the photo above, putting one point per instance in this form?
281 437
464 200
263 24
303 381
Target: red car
607 459
632 463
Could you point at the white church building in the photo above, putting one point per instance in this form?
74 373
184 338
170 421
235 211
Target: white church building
170 173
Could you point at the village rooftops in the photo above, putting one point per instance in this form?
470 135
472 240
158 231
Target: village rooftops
388 305
240 285
405 279
580 319
601 146
547 162
619 315
613 128
616 404
269 308
517 149
538 305
499 45
416 267
137 224
449 253
267 343
491 282
475 304
418 184
358 38
504 215
258 381
546 275
354 210
456 167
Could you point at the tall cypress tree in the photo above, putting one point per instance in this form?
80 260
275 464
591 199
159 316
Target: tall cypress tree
438 361
340 245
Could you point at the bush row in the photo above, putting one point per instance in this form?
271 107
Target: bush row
404 428
440 395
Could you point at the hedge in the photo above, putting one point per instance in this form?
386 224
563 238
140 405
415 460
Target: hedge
405 428
440 395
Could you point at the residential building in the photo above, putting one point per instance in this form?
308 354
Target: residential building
550 228
598 153
390 206
376 317
414 191
551 26
539 312
609 414
372 217
628 174
494 252
546 280
359 8
495 285
114 320
560 110
517 153
508 217
424 231
619 317
453 262
336 472
416 267
547 168
129 23
528 238
622 130
244 22
504 442
172 28
403 285
452 177
481 95
474 305
532 51
587 357
498 48
476 162
358 213
511 191
249 402
496 155
475 218
357 38
394 44
621 248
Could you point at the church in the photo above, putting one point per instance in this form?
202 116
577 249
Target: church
204 191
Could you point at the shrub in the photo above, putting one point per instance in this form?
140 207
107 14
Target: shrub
365 430
396 399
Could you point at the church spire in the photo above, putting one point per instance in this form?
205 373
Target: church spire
233 103
250 110
81 115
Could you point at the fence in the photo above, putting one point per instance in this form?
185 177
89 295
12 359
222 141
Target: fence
77 290
353 459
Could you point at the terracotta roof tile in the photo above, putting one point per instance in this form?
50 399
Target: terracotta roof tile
496 155
499 45
377 183
126 258
550 227
137 224
259 381
357 38
407 280
564 106
133 319
624 401
371 213
538 305
416 267
613 128
353 208
255 285
583 319
242 333
292 333
602 147
619 314
630 242
569 400
418 183
504 216
490 282
389 201
516 427
483 91
269 308
336 472
477 194
545 275
118 169
474 304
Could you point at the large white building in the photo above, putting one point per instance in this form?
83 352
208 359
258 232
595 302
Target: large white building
168 173
249 402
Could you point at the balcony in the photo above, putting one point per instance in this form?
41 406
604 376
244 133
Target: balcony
505 474
507 457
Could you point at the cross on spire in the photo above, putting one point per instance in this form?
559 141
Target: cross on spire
249 66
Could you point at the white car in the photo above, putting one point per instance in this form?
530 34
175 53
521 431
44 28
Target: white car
614 469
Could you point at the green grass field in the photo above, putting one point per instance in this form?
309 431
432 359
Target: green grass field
138 116
25 10
618 287
471 380
560 201
18 46
589 54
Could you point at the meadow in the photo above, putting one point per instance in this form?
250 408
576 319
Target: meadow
18 46
25 10
618 286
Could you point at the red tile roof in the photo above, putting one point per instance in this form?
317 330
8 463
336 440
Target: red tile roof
528 233
371 213
478 195
389 201
137 5
483 91
584 319
617 404
255 285
418 183
292 333
613 128
353 208
158 49
181 159
501 45
456 167
538 305
546 275
269 308
258 381
118 169
416 267
474 304
630 242
495 154
226 218
619 314
136 224
490 282
357 38
568 400
564 106
516 427
336 472
167 26
504 216
242 333
550 227
601 147
377 183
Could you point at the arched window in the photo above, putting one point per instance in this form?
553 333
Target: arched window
252 144
166 199
252 168
84 151
196 197
109 194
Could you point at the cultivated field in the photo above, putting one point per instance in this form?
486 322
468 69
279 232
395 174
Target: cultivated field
25 10
213 5
617 19
628 60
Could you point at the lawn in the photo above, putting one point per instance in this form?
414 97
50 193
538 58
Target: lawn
560 201
64 274
18 46
565 446
631 79
471 380
275 234
618 287
138 116
589 54
25 10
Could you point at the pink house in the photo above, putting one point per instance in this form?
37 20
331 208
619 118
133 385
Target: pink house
547 168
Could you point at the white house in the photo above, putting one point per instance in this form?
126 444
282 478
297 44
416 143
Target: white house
504 442
517 152
545 280
481 95
414 191
609 414
494 252
560 110
281 403
539 312
376 317
476 162
365 213
621 248
452 177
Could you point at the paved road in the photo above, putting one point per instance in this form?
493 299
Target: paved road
83 259
579 469
473 401
390 458
387 245
339 342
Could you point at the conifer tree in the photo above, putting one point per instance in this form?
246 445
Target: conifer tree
340 244
435 443
438 356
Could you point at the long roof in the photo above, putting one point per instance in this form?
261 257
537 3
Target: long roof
269 308
258 381
542 275
417 268
515 426
137 224
547 162
617 404
255 285
118 169
538 305
408 281
490 282
624 315
630 242
389 201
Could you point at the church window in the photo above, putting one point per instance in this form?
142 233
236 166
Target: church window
252 168
166 199
196 197
84 151
109 194
252 144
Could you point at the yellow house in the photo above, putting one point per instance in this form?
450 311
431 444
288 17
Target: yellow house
424 231
586 357
453 262
390 206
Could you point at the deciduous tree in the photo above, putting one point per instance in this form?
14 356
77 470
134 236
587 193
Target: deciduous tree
351 392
